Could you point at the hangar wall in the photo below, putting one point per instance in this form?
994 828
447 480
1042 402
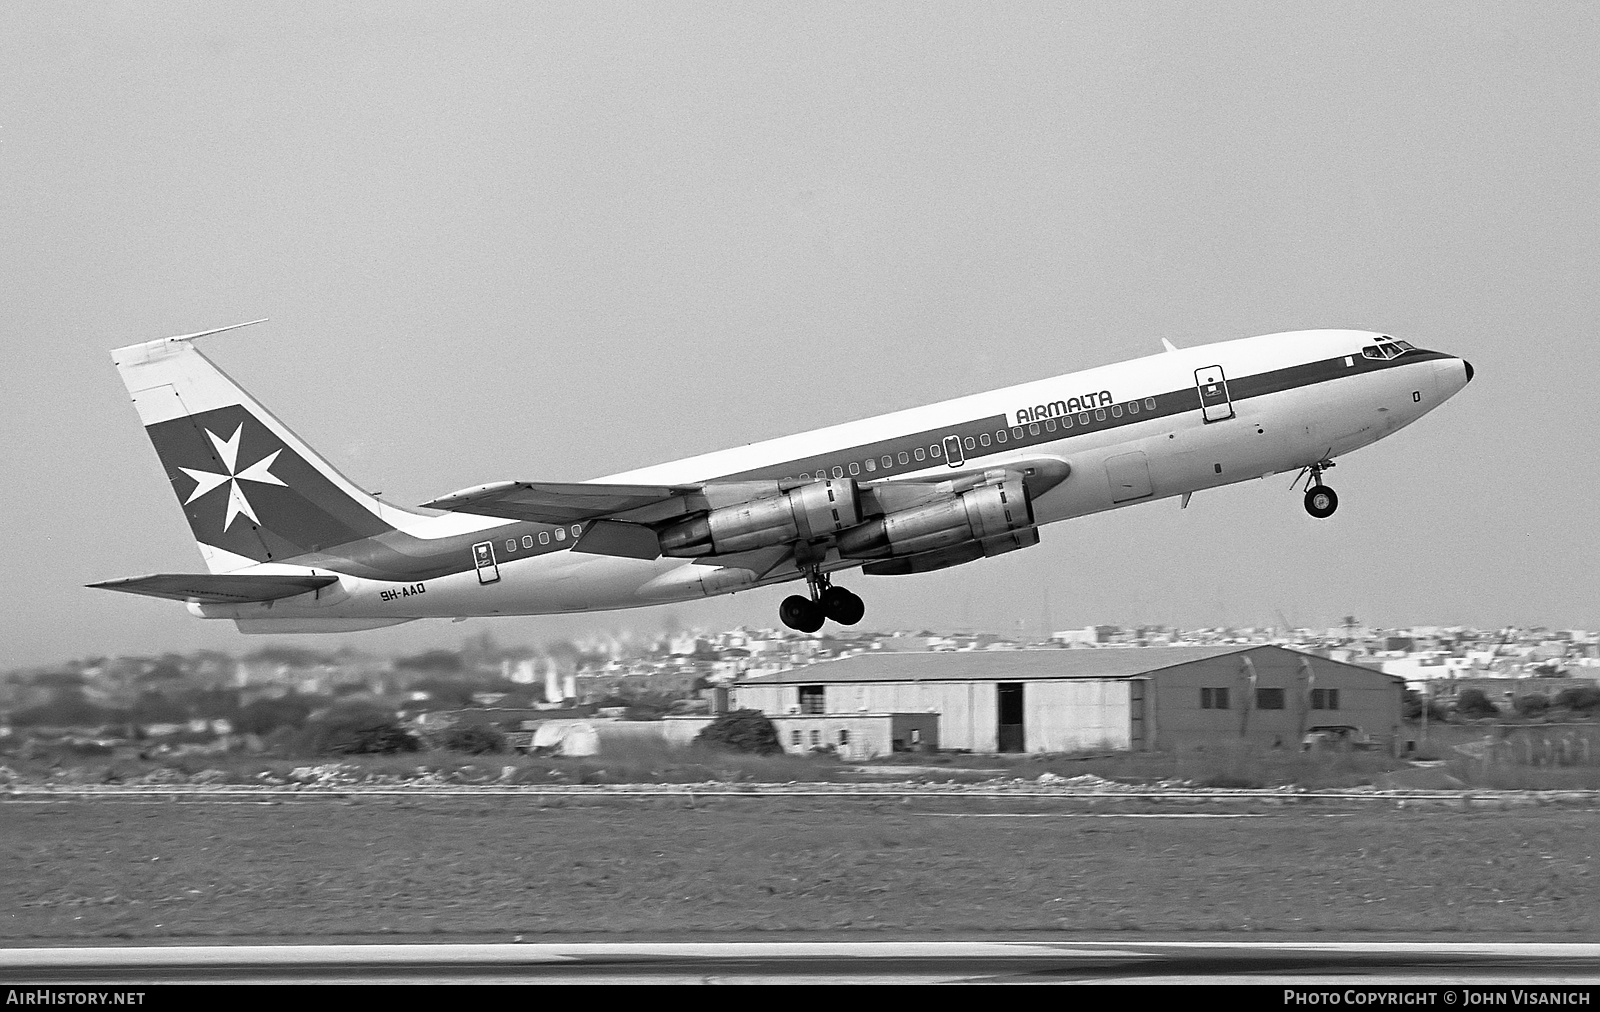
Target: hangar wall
1061 715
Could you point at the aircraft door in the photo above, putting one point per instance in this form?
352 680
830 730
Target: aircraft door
483 559
952 451
1215 404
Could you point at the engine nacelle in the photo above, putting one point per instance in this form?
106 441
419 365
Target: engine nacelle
813 510
989 511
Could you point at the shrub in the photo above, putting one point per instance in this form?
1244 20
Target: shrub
1531 705
1473 703
1579 697
474 739
358 730
741 731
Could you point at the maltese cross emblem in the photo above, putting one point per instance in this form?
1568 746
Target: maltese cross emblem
205 481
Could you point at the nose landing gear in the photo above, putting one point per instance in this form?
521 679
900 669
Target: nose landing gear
1320 500
806 614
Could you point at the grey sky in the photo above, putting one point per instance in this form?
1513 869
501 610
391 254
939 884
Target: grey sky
557 241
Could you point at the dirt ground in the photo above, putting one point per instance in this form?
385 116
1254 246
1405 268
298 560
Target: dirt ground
442 868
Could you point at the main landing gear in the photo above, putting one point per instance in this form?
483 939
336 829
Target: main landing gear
1321 500
806 614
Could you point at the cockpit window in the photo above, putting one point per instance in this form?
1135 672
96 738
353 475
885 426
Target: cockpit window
1386 349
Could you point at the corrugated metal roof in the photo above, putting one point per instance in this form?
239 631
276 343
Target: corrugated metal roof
994 665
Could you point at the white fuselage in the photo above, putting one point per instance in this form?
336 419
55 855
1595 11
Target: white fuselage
1329 405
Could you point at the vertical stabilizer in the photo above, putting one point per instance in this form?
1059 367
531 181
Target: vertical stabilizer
253 491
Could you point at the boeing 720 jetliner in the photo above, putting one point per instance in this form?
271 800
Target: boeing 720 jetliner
293 546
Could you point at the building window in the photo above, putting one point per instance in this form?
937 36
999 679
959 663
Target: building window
794 738
816 738
1213 699
916 736
1324 699
1269 699
811 699
844 736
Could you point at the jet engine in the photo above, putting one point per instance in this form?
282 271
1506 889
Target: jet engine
982 513
814 510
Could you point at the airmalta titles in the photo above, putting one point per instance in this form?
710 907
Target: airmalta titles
1073 405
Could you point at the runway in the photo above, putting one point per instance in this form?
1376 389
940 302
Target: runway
1342 964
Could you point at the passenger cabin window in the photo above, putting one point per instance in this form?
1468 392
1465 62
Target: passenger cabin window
1083 418
527 541
561 534
1116 411
872 465
1016 431
1033 428
888 461
1049 425
1099 414
855 468
919 453
973 446
838 472
544 537
511 544
906 460
1133 407
983 437
1000 436
1149 403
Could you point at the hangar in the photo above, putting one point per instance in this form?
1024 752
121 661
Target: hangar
1137 698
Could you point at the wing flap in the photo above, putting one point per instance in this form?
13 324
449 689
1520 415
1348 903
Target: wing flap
553 502
211 588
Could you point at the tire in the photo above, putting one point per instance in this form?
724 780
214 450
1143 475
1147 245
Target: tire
800 614
1321 501
842 606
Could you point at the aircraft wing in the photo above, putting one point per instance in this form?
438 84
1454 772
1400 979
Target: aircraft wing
211 588
554 502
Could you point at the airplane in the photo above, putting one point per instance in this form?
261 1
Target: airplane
293 546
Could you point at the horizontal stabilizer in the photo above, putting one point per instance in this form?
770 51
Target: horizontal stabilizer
211 588
553 502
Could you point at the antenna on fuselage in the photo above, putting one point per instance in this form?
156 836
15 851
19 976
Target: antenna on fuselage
1168 345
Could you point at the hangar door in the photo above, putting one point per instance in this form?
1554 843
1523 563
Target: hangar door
1010 717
